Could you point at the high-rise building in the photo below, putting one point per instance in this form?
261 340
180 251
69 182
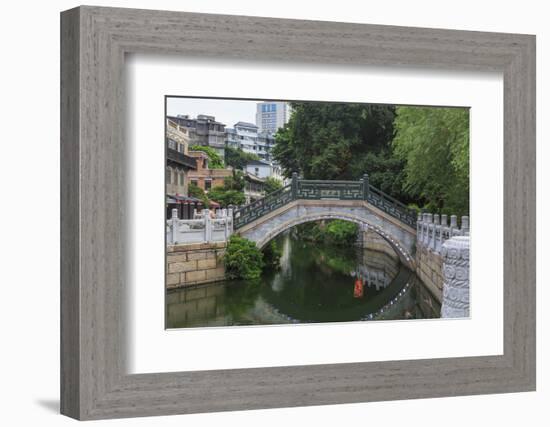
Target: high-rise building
270 116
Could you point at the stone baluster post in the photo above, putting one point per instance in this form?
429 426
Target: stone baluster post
174 226
429 221
229 223
207 225
365 186
294 185
453 226
419 228
194 213
444 227
437 228
456 277
424 228
465 226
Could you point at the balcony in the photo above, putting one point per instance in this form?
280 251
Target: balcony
180 159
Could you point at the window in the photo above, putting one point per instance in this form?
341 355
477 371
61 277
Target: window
168 176
257 171
194 182
175 178
182 179
207 184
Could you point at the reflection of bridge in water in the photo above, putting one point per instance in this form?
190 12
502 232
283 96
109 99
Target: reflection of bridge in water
377 269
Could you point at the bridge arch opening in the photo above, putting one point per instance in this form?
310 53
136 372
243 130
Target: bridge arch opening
404 256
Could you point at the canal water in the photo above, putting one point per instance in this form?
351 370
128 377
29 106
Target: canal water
314 283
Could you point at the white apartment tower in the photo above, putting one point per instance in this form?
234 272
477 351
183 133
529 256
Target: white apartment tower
270 116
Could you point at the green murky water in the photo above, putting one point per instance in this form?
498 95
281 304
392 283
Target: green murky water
315 283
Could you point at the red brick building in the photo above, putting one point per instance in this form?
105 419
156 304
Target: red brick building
204 177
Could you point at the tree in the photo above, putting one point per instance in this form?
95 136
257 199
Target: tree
215 161
237 158
334 140
235 181
197 192
231 192
434 144
271 184
226 197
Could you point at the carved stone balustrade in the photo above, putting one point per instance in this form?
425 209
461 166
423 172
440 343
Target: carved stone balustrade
206 227
456 276
432 230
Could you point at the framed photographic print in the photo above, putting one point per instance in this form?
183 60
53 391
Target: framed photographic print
261 213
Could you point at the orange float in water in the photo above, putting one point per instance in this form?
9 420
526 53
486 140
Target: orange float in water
358 288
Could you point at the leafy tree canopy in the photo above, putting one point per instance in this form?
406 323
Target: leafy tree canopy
237 158
235 181
419 155
333 140
434 145
231 192
272 184
226 197
215 161
197 192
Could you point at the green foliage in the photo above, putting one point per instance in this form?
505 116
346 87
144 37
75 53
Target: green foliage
231 193
237 158
235 181
226 197
418 155
215 161
271 184
197 192
333 140
272 255
243 260
434 144
338 232
333 232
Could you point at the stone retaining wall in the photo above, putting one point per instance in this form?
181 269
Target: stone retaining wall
370 239
429 268
194 264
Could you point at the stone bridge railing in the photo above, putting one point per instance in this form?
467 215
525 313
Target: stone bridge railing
432 230
442 261
205 227
302 189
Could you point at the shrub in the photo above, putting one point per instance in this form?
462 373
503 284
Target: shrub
272 255
238 158
338 232
226 197
271 184
197 192
215 161
243 260
333 232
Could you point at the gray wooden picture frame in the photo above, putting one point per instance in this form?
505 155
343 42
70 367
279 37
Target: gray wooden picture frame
94 41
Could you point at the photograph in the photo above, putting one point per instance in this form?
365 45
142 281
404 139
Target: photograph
292 212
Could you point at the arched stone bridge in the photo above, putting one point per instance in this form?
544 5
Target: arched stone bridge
308 200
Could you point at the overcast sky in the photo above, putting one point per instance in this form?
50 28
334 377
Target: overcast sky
226 111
